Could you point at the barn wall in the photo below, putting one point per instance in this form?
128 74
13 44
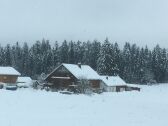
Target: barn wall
111 89
8 78
115 88
95 84
61 82
121 88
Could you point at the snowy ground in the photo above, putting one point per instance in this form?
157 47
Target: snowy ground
27 107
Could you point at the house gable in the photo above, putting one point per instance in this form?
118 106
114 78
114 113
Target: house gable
61 75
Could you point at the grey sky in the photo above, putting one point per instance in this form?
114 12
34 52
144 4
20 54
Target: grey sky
137 21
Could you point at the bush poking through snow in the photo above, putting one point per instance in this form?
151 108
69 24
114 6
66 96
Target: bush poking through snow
84 86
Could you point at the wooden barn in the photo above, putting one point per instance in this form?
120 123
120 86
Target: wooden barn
8 75
116 84
68 75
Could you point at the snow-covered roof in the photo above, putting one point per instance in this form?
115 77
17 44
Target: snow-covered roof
133 85
112 80
8 71
85 72
24 80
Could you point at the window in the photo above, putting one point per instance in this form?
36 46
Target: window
5 77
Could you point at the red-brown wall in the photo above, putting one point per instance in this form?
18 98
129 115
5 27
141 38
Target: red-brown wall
95 83
8 78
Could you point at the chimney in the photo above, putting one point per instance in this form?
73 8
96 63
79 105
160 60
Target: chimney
79 65
107 77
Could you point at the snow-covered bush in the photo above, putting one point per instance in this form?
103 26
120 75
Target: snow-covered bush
84 86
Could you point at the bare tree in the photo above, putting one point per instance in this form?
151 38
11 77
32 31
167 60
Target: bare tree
84 86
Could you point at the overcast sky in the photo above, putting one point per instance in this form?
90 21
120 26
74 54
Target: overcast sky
137 21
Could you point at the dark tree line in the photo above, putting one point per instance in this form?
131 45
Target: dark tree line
134 64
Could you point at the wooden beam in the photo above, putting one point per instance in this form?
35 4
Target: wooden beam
53 77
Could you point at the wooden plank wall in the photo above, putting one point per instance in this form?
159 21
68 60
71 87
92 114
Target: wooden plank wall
8 78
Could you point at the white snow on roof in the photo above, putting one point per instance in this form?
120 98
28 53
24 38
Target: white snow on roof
112 80
134 85
8 71
85 72
24 81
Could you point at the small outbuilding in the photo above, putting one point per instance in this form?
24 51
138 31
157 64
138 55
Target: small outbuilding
8 75
113 83
24 82
116 84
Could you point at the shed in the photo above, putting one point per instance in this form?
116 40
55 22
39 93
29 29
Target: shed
113 83
8 75
24 82
116 84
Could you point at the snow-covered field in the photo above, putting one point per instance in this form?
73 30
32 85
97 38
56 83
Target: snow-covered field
27 107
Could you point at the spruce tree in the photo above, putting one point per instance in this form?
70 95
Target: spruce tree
64 52
105 61
71 53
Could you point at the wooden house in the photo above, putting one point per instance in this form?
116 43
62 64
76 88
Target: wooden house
8 75
68 75
116 84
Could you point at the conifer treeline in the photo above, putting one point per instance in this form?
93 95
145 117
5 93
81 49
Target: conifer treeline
132 63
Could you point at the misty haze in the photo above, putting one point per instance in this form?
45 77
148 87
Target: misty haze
142 22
